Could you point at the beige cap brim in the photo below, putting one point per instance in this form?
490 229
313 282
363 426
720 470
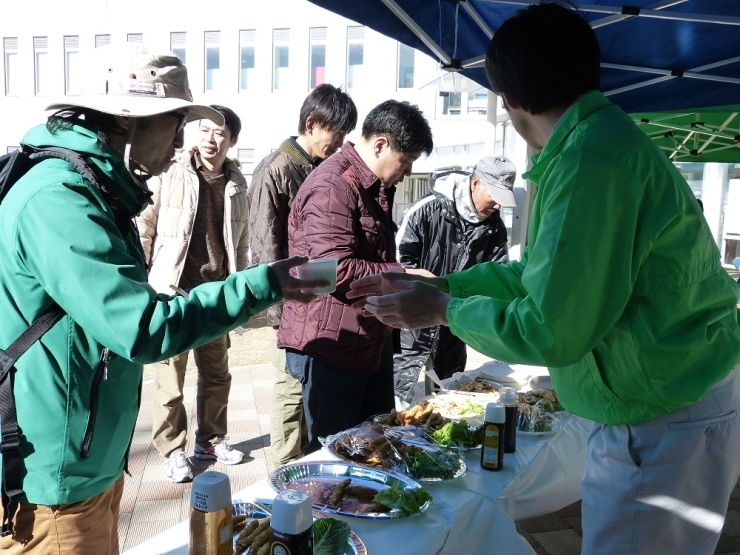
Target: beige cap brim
138 106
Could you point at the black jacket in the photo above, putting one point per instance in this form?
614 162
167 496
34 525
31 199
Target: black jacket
434 236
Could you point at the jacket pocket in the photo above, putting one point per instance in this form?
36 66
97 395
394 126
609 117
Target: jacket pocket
371 232
704 421
101 374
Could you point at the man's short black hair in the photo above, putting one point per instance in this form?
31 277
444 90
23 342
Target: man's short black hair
543 57
231 120
402 123
331 107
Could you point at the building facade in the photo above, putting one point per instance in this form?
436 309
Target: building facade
261 60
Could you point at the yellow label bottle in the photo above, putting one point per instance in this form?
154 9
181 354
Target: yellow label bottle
211 524
492 450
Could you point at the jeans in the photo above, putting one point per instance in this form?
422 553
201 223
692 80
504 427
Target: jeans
336 398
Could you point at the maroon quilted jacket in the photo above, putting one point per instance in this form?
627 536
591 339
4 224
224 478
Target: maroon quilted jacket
341 211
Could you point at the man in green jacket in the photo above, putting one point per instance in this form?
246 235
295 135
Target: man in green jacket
619 292
63 240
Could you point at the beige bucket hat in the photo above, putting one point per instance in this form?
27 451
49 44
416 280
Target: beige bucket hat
133 81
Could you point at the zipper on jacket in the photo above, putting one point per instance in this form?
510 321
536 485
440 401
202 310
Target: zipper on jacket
131 439
101 374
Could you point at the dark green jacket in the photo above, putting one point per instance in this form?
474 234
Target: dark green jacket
620 290
59 243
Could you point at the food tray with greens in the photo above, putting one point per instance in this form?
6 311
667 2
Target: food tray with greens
331 536
407 450
352 490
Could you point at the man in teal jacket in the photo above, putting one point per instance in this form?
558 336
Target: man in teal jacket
619 291
77 390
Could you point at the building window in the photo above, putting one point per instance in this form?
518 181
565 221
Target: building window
477 103
101 40
245 156
318 56
355 56
72 65
405 67
135 37
41 69
450 103
246 58
10 50
280 58
177 45
213 60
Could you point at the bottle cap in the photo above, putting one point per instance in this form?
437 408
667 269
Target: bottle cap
211 492
495 412
507 395
291 512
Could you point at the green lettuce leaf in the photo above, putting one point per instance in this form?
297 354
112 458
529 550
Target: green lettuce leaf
408 501
330 537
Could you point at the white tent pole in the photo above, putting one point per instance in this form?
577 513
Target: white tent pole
418 31
721 128
479 20
608 20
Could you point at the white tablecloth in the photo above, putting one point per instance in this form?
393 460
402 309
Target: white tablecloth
474 514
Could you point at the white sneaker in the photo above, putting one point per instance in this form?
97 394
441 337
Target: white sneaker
177 468
222 452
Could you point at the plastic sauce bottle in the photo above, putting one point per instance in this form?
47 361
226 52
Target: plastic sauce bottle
291 525
211 527
492 451
508 398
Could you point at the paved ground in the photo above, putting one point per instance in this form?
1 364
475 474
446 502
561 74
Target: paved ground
151 504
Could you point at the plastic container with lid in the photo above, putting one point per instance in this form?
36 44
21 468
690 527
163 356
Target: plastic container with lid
291 525
211 527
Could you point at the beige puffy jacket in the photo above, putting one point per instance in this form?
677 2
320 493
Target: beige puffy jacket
165 226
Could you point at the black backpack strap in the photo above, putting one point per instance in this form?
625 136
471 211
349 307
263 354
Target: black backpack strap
89 171
9 434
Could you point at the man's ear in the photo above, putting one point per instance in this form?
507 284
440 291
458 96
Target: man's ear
233 142
380 144
122 121
510 103
310 124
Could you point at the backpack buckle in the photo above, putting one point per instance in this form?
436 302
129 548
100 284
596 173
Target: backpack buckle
10 442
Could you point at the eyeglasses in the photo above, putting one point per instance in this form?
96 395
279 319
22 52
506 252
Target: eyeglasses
182 120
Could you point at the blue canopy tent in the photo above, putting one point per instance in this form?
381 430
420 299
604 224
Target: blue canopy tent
656 56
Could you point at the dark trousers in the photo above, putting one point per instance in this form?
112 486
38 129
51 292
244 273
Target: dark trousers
337 398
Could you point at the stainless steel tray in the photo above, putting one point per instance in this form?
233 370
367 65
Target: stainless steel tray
253 511
319 477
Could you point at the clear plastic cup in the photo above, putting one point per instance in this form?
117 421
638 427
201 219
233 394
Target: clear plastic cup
321 268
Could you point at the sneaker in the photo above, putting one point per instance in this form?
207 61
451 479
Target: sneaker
177 468
222 452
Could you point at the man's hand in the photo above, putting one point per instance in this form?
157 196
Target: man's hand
413 305
402 300
380 284
294 289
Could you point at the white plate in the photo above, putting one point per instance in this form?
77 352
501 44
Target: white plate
452 384
541 382
504 373
445 404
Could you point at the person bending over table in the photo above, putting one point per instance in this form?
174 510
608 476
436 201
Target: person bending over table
620 292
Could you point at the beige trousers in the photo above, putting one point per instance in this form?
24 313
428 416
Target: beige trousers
90 526
169 418
288 432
